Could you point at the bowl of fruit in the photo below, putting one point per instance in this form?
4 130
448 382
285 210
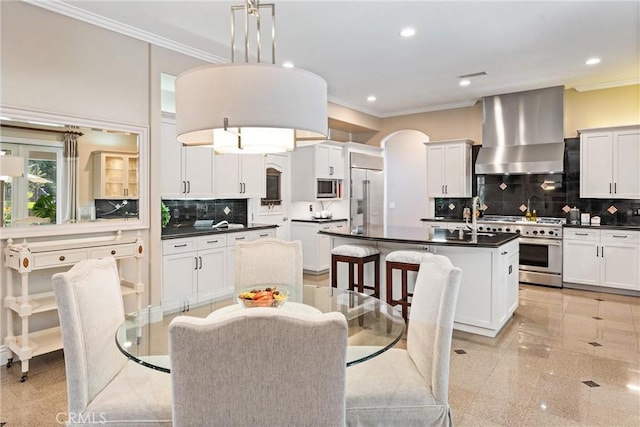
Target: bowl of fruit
263 297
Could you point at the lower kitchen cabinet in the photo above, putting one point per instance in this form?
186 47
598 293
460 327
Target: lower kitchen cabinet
316 248
193 271
609 258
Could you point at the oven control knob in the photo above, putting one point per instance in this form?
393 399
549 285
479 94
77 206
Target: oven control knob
535 231
500 229
508 230
541 231
550 232
480 228
518 231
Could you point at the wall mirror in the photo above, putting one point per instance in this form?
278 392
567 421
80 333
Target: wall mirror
71 172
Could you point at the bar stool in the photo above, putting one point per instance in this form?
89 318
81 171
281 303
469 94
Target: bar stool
356 255
404 261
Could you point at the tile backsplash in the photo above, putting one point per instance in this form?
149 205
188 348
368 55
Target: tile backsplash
548 194
186 212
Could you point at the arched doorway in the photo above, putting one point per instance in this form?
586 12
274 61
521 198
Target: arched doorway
405 177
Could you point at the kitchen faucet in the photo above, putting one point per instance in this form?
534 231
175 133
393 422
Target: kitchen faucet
475 205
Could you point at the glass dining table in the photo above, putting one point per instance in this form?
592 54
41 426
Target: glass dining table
374 326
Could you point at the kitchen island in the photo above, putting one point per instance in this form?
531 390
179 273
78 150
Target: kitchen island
489 261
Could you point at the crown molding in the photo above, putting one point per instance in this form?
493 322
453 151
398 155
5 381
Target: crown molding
606 85
74 12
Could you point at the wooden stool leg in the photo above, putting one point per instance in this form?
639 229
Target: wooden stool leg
376 278
361 276
404 294
389 286
334 271
351 278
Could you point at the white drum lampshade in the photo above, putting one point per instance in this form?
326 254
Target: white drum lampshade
249 108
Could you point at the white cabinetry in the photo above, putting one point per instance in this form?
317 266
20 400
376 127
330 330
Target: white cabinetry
320 161
449 168
28 257
193 270
444 225
609 258
239 176
187 171
115 175
610 163
316 248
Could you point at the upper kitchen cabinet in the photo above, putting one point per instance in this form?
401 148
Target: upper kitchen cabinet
329 161
449 168
323 162
115 175
240 176
187 171
610 163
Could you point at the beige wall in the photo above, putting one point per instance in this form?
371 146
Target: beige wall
618 106
53 63
582 110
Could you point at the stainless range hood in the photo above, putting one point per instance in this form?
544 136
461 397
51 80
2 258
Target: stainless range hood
522 133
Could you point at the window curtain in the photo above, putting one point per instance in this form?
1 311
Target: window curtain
70 176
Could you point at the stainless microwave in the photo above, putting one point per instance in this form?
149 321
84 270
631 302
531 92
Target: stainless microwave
328 189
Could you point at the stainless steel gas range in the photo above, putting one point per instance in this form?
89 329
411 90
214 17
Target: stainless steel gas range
540 246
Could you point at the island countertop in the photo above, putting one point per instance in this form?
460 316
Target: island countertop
419 235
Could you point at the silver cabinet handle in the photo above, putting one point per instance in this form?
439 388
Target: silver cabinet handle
180 246
581 234
615 187
609 188
200 258
622 237
188 186
212 241
597 252
196 259
602 251
264 235
240 238
330 170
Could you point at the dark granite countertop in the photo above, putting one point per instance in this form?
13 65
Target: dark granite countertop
419 235
178 232
319 220
605 227
443 219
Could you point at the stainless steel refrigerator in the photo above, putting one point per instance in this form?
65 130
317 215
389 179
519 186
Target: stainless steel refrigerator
367 191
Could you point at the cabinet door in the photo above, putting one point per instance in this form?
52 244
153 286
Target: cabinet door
253 176
171 181
626 164
323 169
132 177
198 171
620 265
307 233
179 275
512 282
435 170
336 163
596 165
227 175
211 274
454 171
581 262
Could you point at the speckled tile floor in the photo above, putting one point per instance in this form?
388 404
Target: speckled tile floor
567 358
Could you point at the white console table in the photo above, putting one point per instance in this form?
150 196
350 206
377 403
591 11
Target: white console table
26 257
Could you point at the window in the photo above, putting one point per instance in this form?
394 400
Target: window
273 188
35 193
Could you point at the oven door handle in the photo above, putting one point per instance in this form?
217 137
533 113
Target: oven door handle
545 242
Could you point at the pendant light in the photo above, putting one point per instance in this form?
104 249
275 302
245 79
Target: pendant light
250 107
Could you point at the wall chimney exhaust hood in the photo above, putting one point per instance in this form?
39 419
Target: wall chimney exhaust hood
522 133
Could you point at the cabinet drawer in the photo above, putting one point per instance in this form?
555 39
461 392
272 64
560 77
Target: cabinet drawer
117 251
620 236
213 241
176 246
581 234
52 259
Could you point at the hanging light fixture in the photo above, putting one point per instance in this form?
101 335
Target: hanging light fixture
250 107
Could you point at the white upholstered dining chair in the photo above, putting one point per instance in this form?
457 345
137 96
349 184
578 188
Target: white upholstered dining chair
269 260
103 386
258 367
410 387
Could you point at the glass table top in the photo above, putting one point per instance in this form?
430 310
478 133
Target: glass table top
374 326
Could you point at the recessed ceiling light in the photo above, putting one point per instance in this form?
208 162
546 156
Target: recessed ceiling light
408 32
371 98
288 64
592 61
465 82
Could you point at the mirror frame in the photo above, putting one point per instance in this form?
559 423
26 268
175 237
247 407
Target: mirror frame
142 222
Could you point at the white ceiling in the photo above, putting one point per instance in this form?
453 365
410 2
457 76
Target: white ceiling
356 48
